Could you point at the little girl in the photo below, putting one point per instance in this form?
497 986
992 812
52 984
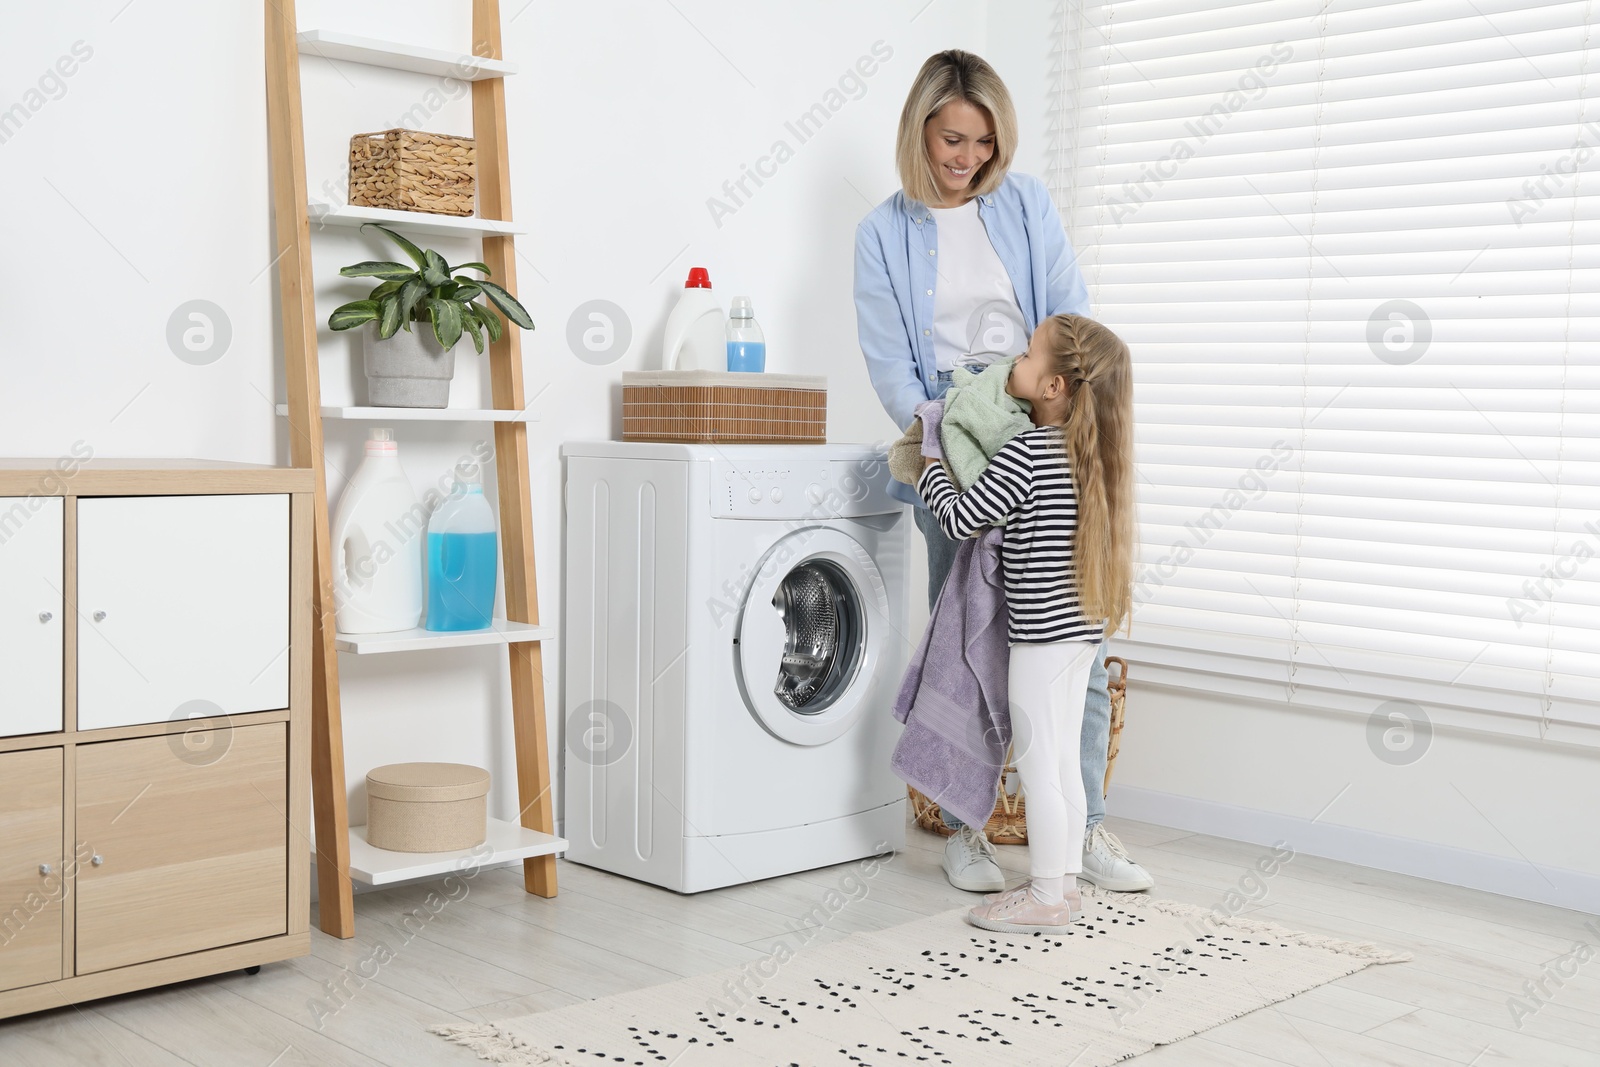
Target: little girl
1065 492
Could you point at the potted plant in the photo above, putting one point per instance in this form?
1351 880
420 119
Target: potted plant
409 368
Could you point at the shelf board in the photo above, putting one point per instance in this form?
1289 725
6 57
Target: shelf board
414 222
505 841
500 632
330 411
330 44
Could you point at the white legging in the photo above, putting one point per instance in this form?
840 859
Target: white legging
1048 683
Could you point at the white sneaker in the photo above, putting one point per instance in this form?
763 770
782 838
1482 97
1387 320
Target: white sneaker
969 862
1107 864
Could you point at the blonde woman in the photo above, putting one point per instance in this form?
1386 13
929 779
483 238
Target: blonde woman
959 268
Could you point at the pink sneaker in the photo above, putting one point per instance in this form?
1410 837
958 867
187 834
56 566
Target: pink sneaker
1017 912
990 898
1074 895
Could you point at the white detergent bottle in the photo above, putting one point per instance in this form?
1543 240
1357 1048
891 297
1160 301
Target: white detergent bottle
696 329
379 533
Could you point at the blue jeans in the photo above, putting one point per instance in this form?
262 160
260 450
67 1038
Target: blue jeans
1096 734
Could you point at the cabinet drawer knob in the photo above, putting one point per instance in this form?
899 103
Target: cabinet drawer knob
45 869
97 859
99 616
45 616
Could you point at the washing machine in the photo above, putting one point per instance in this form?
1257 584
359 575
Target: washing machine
735 635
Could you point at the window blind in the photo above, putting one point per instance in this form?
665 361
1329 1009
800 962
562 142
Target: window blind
1353 248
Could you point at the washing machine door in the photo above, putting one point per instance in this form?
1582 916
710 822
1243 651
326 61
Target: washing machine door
810 635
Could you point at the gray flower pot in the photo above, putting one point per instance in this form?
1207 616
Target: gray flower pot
409 370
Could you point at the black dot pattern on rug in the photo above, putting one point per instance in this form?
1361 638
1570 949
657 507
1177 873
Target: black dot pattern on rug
974 1010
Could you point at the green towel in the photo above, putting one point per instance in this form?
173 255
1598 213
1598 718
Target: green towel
979 418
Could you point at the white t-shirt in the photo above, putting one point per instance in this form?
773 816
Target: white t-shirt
975 310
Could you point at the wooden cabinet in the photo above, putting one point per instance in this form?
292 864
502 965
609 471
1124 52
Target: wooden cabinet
155 727
182 606
187 844
31 616
31 884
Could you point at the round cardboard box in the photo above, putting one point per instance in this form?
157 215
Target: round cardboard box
426 807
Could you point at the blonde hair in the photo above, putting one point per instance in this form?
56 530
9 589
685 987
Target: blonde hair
1099 441
947 76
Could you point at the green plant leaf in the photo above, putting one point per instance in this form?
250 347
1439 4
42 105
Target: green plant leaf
410 249
470 323
507 304
437 272
446 316
392 286
353 314
475 266
467 291
491 321
389 316
412 294
375 268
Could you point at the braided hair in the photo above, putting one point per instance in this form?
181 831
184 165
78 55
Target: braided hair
1098 437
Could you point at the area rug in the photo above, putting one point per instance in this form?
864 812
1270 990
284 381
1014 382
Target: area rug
1132 974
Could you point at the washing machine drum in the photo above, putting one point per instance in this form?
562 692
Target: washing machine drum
811 634
820 649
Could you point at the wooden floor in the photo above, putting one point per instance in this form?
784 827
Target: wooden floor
496 952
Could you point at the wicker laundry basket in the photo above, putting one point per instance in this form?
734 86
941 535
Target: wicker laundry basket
1008 825
724 407
407 170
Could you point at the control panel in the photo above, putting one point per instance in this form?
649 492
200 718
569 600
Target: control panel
804 489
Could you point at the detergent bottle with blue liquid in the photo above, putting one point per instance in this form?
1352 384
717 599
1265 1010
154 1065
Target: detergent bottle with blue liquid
747 346
462 554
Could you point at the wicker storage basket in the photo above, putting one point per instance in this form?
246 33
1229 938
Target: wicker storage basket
1007 826
1118 688
1009 823
426 807
724 407
405 170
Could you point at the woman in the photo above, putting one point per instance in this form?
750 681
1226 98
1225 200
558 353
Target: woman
958 269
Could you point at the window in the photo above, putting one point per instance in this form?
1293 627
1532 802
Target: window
1355 249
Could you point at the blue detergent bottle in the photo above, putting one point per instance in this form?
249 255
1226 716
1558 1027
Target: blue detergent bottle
747 347
462 555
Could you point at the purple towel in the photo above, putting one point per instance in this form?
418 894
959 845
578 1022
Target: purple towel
931 414
953 699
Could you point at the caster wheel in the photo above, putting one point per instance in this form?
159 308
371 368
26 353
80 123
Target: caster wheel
253 970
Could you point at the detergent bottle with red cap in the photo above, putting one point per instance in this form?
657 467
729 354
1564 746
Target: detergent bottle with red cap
695 337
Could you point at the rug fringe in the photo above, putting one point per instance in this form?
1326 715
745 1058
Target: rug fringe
499 1046
1365 950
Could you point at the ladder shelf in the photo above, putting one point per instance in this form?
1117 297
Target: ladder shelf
342 852
462 226
366 414
464 66
505 841
500 632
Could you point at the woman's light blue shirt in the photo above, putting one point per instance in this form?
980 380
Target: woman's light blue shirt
897 253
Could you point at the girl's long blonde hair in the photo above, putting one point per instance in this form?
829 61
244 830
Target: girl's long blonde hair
947 76
1099 443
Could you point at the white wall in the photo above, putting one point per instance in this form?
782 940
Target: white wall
1506 815
144 181
139 183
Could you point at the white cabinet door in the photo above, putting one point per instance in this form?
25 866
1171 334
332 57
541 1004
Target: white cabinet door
30 614
183 607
